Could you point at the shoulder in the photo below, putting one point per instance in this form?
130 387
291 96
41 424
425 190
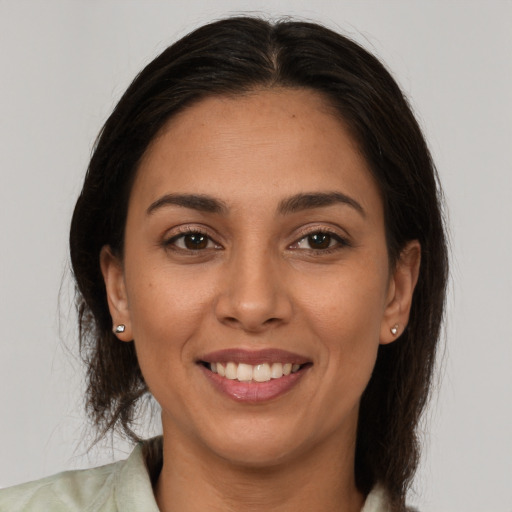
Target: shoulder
378 501
121 486
70 491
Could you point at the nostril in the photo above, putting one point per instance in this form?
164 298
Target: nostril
248 324
246 308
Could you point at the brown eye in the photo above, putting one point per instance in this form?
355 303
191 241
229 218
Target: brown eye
193 241
319 240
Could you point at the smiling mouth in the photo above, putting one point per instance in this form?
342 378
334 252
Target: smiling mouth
263 372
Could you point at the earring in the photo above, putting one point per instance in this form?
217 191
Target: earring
394 330
118 329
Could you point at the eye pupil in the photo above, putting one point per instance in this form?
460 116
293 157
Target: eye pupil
195 241
319 240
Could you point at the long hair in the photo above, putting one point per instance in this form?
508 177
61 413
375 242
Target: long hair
230 57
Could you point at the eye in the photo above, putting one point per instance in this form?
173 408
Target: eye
320 241
192 241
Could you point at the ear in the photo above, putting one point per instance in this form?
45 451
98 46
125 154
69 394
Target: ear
400 291
113 275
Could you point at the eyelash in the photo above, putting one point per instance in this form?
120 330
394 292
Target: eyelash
190 231
340 242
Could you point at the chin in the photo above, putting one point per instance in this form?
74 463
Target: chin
252 447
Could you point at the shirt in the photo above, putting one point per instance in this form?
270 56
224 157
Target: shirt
123 486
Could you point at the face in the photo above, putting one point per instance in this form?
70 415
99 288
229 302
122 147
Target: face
255 282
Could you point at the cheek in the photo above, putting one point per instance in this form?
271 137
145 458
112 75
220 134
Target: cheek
346 319
347 304
166 312
165 303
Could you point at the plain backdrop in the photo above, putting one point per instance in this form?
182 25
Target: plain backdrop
64 64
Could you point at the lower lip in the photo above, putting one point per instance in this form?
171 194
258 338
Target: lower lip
253 392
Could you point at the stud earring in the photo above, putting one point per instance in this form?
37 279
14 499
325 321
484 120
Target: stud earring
394 330
118 329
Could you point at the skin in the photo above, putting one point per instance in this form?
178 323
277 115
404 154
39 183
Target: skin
258 283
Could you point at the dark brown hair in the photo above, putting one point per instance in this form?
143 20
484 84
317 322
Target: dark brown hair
230 57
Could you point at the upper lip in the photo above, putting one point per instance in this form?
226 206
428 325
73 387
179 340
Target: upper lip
240 355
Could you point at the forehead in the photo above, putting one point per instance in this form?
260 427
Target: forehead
264 143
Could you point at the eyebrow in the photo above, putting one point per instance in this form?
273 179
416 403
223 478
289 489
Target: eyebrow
309 201
193 201
293 204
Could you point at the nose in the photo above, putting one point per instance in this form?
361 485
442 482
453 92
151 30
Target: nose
253 294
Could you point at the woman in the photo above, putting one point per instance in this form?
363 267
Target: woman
258 244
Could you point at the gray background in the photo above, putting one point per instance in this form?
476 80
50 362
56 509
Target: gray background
63 66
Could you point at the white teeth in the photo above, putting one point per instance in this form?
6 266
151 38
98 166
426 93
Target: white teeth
276 371
244 372
263 372
231 371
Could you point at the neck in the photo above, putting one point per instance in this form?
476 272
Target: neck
195 479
